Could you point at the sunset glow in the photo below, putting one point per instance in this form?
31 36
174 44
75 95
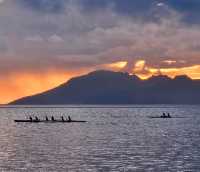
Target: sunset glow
117 65
139 66
99 85
30 84
45 43
192 71
20 85
169 62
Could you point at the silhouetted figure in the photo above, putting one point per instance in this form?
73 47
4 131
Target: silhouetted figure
36 118
69 119
46 118
31 119
168 115
52 118
163 115
62 118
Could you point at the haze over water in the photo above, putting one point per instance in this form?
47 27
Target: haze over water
114 139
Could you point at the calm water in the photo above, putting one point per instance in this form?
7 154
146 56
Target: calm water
113 139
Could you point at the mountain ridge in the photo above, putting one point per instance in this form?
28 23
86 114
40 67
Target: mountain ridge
108 87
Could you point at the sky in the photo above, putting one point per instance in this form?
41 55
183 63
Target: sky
44 43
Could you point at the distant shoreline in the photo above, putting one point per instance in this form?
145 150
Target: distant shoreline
100 106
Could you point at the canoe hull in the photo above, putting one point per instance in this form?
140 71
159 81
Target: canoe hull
159 117
44 121
166 117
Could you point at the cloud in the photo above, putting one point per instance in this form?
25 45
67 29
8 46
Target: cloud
35 38
104 37
55 39
72 38
44 6
160 4
117 65
142 9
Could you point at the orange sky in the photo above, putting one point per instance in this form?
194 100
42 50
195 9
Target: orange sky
44 43
24 84
144 71
20 85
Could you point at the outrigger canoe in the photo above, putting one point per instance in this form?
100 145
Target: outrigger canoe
50 121
165 117
159 117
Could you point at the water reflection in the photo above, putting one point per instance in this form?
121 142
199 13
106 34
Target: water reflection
114 139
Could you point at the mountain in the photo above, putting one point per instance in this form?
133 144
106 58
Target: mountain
107 87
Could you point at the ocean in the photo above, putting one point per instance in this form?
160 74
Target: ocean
114 139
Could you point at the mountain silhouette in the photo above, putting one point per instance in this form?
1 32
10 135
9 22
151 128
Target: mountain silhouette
107 87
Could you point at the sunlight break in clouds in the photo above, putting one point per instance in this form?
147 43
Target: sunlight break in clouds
117 65
139 65
144 71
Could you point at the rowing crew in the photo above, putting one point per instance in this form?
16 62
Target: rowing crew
52 119
165 116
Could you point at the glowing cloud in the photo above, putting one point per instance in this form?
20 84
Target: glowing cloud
169 62
139 66
117 65
191 71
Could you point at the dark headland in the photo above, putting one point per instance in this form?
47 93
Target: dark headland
107 87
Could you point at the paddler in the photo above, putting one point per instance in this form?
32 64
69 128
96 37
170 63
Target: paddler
69 119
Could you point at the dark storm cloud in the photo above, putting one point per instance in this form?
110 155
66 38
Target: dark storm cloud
185 5
144 9
189 8
127 7
51 6
43 34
